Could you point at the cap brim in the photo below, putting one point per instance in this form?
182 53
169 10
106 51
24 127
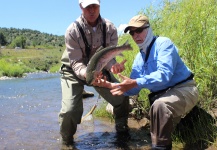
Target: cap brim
85 4
137 25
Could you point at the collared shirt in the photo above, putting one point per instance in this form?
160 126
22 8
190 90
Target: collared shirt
74 55
164 67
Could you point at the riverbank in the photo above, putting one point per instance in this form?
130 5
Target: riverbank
25 75
6 78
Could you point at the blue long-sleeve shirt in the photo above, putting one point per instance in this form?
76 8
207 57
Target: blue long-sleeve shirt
164 67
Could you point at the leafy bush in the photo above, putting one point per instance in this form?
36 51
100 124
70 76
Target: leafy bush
191 24
12 70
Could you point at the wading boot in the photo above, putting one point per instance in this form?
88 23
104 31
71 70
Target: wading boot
67 144
86 94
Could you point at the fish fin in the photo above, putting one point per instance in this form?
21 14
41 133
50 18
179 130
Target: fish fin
120 55
126 43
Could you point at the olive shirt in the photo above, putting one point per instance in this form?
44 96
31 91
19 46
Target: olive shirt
74 55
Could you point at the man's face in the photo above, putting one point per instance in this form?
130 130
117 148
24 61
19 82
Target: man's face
138 34
91 13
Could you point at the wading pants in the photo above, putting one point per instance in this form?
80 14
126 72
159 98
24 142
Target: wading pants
72 105
167 111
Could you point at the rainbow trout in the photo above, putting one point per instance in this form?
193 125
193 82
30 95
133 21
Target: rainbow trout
99 60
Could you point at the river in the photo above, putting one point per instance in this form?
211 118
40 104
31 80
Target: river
29 110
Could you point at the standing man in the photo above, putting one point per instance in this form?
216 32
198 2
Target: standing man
159 68
80 47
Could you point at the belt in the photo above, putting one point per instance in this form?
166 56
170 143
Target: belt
65 68
154 95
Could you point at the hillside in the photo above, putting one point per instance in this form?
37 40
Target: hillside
12 37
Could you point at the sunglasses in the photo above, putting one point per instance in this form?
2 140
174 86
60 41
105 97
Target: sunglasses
138 30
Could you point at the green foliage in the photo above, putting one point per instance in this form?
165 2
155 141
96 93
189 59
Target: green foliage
2 39
55 68
36 60
19 41
128 55
12 69
33 38
191 25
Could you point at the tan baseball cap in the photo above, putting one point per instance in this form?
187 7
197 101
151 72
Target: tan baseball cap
137 21
86 3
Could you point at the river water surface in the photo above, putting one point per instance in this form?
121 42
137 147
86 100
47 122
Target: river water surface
29 110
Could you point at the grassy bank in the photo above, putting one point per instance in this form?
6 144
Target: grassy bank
14 63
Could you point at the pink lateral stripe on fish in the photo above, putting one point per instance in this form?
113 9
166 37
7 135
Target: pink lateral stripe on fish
99 60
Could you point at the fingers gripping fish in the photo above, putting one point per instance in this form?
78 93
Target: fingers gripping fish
100 59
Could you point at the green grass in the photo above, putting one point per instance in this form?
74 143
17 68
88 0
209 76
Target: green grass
10 69
17 62
101 111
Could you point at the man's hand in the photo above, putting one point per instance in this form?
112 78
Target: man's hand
118 67
101 81
125 85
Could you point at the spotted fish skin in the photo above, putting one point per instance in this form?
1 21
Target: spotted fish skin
100 59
